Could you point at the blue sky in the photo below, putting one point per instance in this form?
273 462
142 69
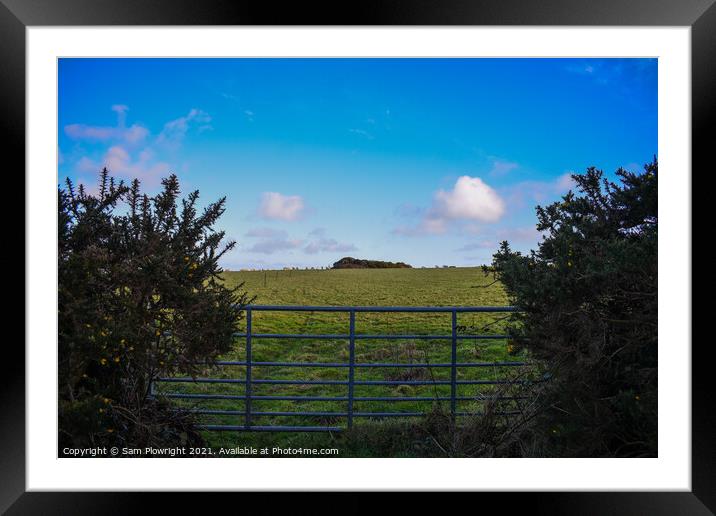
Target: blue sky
427 161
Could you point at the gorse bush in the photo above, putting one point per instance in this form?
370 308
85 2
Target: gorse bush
589 295
140 297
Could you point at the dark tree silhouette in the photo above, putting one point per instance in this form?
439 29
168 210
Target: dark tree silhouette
589 296
140 296
355 263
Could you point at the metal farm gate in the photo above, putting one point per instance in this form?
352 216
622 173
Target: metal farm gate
247 414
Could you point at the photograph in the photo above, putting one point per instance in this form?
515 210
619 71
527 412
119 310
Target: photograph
357 257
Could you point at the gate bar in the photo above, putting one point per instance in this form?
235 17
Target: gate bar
453 370
247 403
190 396
339 336
388 364
339 382
351 368
301 308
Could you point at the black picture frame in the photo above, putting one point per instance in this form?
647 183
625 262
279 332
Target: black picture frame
700 15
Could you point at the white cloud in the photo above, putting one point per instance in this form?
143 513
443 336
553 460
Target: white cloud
145 168
527 234
171 135
565 183
89 132
117 159
521 237
272 245
132 135
128 155
265 233
481 244
230 96
528 193
135 133
501 167
277 206
84 164
582 69
175 130
275 240
328 245
361 132
122 165
470 200
121 111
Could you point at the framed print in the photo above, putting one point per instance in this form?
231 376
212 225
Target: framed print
416 249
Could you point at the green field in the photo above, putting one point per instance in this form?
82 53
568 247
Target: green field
374 287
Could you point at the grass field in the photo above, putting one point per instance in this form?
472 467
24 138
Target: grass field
387 287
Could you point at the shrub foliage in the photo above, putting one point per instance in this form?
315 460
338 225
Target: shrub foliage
355 263
589 295
140 296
